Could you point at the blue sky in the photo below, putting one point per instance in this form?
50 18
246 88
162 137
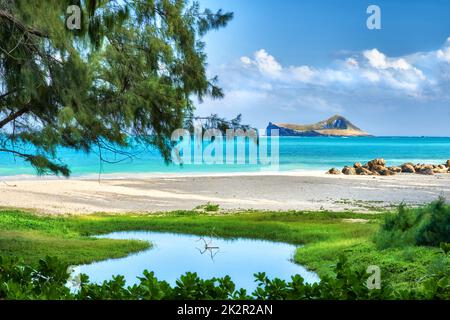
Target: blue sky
300 61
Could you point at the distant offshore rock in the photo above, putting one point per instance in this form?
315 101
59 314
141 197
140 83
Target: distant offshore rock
377 167
336 126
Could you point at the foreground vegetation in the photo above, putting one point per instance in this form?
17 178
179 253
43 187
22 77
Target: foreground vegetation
409 268
49 281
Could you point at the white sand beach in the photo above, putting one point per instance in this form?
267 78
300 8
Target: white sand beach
263 191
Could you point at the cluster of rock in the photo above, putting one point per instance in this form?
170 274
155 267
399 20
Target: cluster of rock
378 167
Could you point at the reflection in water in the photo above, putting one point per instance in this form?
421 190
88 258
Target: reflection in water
209 247
175 254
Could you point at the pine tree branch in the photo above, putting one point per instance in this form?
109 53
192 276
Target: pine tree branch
13 116
17 153
41 163
3 96
22 26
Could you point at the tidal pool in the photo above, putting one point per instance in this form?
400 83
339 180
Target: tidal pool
175 254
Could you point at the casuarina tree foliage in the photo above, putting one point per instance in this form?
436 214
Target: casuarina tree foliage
130 70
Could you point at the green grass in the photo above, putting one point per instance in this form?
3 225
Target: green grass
31 237
323 236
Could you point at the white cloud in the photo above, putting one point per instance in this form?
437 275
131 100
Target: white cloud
246 61
265 63
444 53
302 73
379 61
369 67
371 75
376 58
352 63
259 86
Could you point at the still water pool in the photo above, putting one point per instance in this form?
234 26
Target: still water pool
174 254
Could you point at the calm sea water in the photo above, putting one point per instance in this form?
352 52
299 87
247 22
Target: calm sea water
175 254
296 153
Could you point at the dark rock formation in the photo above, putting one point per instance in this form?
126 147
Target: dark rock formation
377 167
350 171
334 171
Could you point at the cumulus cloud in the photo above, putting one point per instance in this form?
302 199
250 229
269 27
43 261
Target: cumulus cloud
369 67
444 54
379 61
264 62
258 85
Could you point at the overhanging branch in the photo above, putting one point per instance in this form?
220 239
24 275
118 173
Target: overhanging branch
21 25
3 96
13 116
17 153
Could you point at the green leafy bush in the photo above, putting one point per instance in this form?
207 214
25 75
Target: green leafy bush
429 226
49 280
208 207
436 228
398 229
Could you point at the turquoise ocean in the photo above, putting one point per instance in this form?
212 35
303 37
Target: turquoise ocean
295 153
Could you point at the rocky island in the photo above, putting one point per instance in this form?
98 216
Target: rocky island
336 126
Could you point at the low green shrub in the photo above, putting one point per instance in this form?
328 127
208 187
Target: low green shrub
398 230
436 226
428 226
208 207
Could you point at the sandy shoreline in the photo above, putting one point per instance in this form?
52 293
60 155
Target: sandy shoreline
162 175
262 191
